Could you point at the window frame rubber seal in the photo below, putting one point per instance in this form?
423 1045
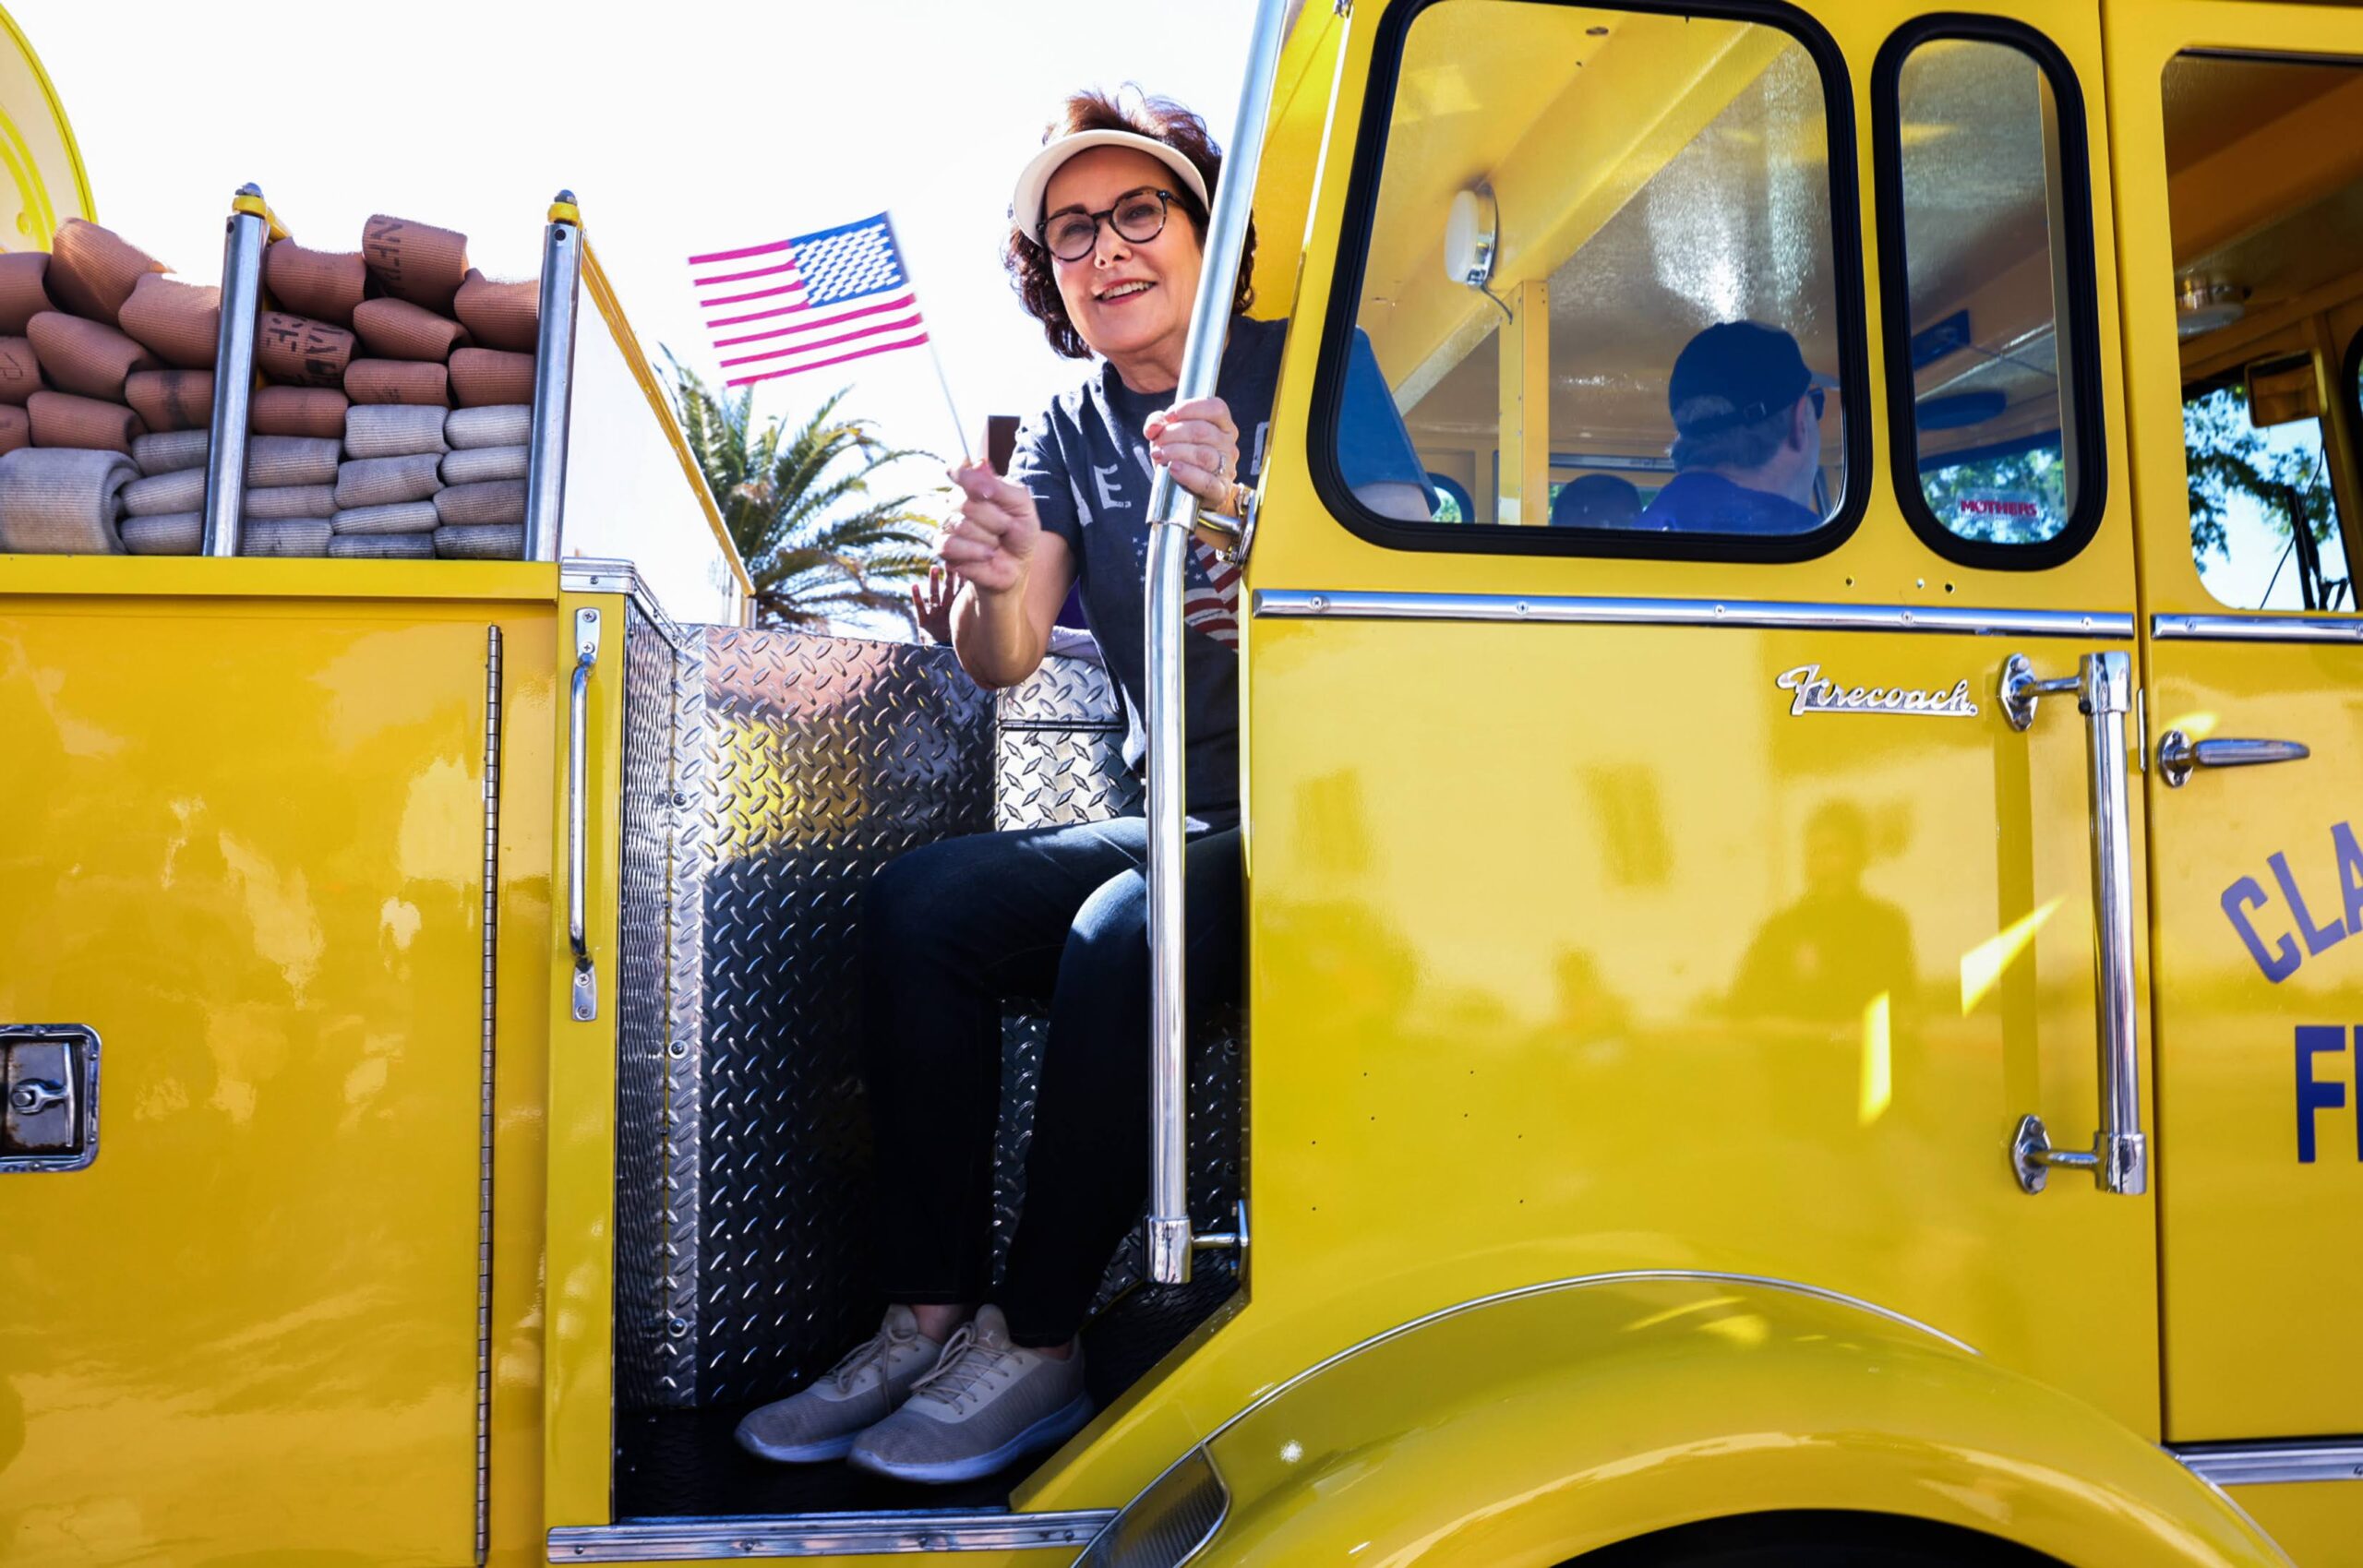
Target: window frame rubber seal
1846 267
2082 390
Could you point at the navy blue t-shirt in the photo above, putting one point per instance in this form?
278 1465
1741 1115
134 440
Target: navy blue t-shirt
1087 464
1699 502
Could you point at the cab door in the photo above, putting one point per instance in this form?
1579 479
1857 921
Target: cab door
2240 179
1632 888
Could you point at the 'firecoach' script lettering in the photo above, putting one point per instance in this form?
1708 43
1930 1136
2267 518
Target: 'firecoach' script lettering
1817 695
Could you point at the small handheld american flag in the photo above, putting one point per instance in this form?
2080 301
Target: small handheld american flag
809 301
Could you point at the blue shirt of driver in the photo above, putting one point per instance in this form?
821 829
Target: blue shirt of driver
1700 502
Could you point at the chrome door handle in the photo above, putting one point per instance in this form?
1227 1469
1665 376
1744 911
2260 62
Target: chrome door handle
36 1095
585 996
2119 1157
2179 755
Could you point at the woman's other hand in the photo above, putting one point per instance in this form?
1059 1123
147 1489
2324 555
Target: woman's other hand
931 604
1197 441
991 539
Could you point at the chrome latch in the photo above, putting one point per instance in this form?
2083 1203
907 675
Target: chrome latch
49 1097
1228 536
2018 689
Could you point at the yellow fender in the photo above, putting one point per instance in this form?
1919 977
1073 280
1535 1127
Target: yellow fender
1524 1430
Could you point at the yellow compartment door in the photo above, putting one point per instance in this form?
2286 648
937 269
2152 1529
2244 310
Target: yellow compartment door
243 842
2229 201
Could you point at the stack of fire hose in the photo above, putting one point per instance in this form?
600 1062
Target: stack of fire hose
354 450
111 347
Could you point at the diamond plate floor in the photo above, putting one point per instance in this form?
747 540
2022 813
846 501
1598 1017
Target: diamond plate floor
680 1463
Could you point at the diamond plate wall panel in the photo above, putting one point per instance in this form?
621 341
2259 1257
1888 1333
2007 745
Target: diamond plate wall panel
802 765
1059 757
825 758
643 1349
684 1050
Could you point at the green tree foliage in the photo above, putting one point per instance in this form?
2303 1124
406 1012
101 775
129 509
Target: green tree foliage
818 540
2231 460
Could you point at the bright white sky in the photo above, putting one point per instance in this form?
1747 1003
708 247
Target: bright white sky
682 128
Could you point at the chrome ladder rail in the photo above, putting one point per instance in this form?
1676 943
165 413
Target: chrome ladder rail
249 235
553 378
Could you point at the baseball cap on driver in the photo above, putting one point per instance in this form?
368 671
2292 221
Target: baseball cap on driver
1736 373
1025 204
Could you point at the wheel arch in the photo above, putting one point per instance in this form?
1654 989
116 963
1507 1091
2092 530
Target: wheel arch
1530 1428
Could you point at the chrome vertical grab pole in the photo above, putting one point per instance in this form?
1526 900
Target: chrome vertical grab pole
2119 1157
233 368
583 994
553 378
1172 511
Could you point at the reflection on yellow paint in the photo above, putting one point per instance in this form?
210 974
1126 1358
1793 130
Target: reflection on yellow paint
1744 1329
1878 1064
2199 726
1982 966
1681 1309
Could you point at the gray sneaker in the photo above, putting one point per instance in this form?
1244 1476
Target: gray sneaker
987 1405
820 1422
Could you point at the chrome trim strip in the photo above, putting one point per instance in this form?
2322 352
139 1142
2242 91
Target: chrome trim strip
1575 1282
2261 1464
825 1535
2255 629
581 574
485 1122
1768 614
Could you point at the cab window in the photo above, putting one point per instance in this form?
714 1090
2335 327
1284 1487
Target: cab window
1591 262
1989 253
2267 222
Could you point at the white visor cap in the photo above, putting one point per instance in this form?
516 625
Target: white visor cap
1025 206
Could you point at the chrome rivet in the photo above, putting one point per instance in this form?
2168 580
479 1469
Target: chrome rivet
677 1327
1319 603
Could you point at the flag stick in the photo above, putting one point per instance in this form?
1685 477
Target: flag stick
959 428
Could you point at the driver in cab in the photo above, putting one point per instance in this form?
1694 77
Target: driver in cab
1747 436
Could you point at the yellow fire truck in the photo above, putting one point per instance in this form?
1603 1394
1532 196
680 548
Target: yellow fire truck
1823 1048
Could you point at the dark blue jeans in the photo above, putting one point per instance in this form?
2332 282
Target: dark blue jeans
1055 915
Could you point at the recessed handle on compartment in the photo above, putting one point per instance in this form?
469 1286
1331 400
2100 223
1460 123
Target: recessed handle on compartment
2119 1157
2179 755
585 991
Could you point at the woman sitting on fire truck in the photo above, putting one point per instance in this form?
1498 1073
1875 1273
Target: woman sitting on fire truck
954 1387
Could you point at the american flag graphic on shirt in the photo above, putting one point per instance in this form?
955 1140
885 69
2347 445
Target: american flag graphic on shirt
809 300
1214 608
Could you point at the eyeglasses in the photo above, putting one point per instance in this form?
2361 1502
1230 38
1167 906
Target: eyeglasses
1138 216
